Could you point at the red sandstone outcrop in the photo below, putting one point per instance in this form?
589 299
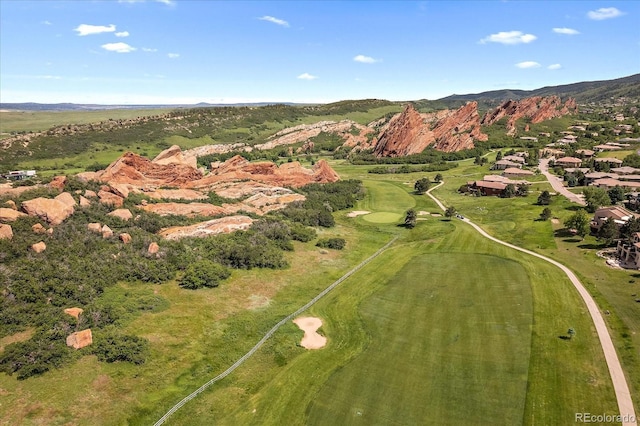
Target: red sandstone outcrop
95 227
66 199
9 215
110 199
80 339
153 248
11 205
106 232
74 312
183 209
39 247
174 155
50 210
6 233
176 194
38 229
211 227
125 238
537 108
58 183
84 202
124 214
447 130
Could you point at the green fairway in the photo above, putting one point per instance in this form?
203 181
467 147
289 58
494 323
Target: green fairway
450 343
386 197
383 217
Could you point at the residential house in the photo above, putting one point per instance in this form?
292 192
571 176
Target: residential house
515 158
605 147
613 162
629 251
568 162
484 187
608 183
515 172
626 170
589 178
505 164
620 216
585 153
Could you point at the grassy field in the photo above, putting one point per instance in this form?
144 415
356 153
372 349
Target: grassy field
33 121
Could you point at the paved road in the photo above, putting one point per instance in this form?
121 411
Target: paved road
623 395
557 183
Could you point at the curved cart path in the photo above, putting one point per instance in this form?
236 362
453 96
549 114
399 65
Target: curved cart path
623 395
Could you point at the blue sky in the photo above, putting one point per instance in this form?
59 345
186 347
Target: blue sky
183 51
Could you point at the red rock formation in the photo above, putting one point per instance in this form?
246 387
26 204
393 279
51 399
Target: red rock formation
9 215
6 233
80 339
124 214
39 247
412 132
174 155
536 108
74 312
58 183
50 210
125 238
212 227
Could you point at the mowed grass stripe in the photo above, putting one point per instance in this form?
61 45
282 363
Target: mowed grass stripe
450 344
386 197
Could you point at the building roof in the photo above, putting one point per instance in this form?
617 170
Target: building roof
569 160
515 158
585 151
614 212
629 177
606 147
608 160
507 163
491 185
625 170
600 175
516 171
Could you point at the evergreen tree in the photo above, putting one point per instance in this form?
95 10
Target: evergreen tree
411 219
578 221
544 199
546 213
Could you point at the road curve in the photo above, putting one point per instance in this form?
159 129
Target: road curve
558 186
623 395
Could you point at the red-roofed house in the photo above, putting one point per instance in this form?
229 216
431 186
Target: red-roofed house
568 162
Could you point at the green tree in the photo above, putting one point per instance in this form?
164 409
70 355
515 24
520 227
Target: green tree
616 194
204 273
499 156
450 212
632 160
571 332
631 227
438 177
411 219
608 231
546 213
595 198
578 221
509 191
422 185
544 199
522 190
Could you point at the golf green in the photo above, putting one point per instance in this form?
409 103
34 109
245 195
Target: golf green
383 217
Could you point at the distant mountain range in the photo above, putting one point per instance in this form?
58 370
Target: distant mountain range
583 92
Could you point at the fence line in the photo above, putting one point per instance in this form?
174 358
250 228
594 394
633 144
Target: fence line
275 328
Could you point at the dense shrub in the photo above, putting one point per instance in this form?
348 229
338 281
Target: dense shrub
204 273
112 346
34 356
332 243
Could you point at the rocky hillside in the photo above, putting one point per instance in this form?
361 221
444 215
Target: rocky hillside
411 132
537 109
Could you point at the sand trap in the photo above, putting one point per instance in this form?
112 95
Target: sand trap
357 213
311 339
555 221
423 213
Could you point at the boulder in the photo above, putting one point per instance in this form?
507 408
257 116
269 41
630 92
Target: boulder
95 227
90 193
174 155
58 183
123 214
125 238
110 199
39 247
50 231
11 204
84 202
66 198
6 233
38 229
9 215
106 232
50 210
153 248
80 339
74 312
223 225
119 189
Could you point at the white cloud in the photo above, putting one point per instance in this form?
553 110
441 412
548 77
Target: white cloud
274 20
528 64
46 23
554 67
118 47
149 49
86 29
122 34
567 31
307 76
173 55
604 13
365 59
509 37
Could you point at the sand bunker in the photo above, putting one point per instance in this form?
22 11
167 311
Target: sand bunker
357 213
311 339
423 213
